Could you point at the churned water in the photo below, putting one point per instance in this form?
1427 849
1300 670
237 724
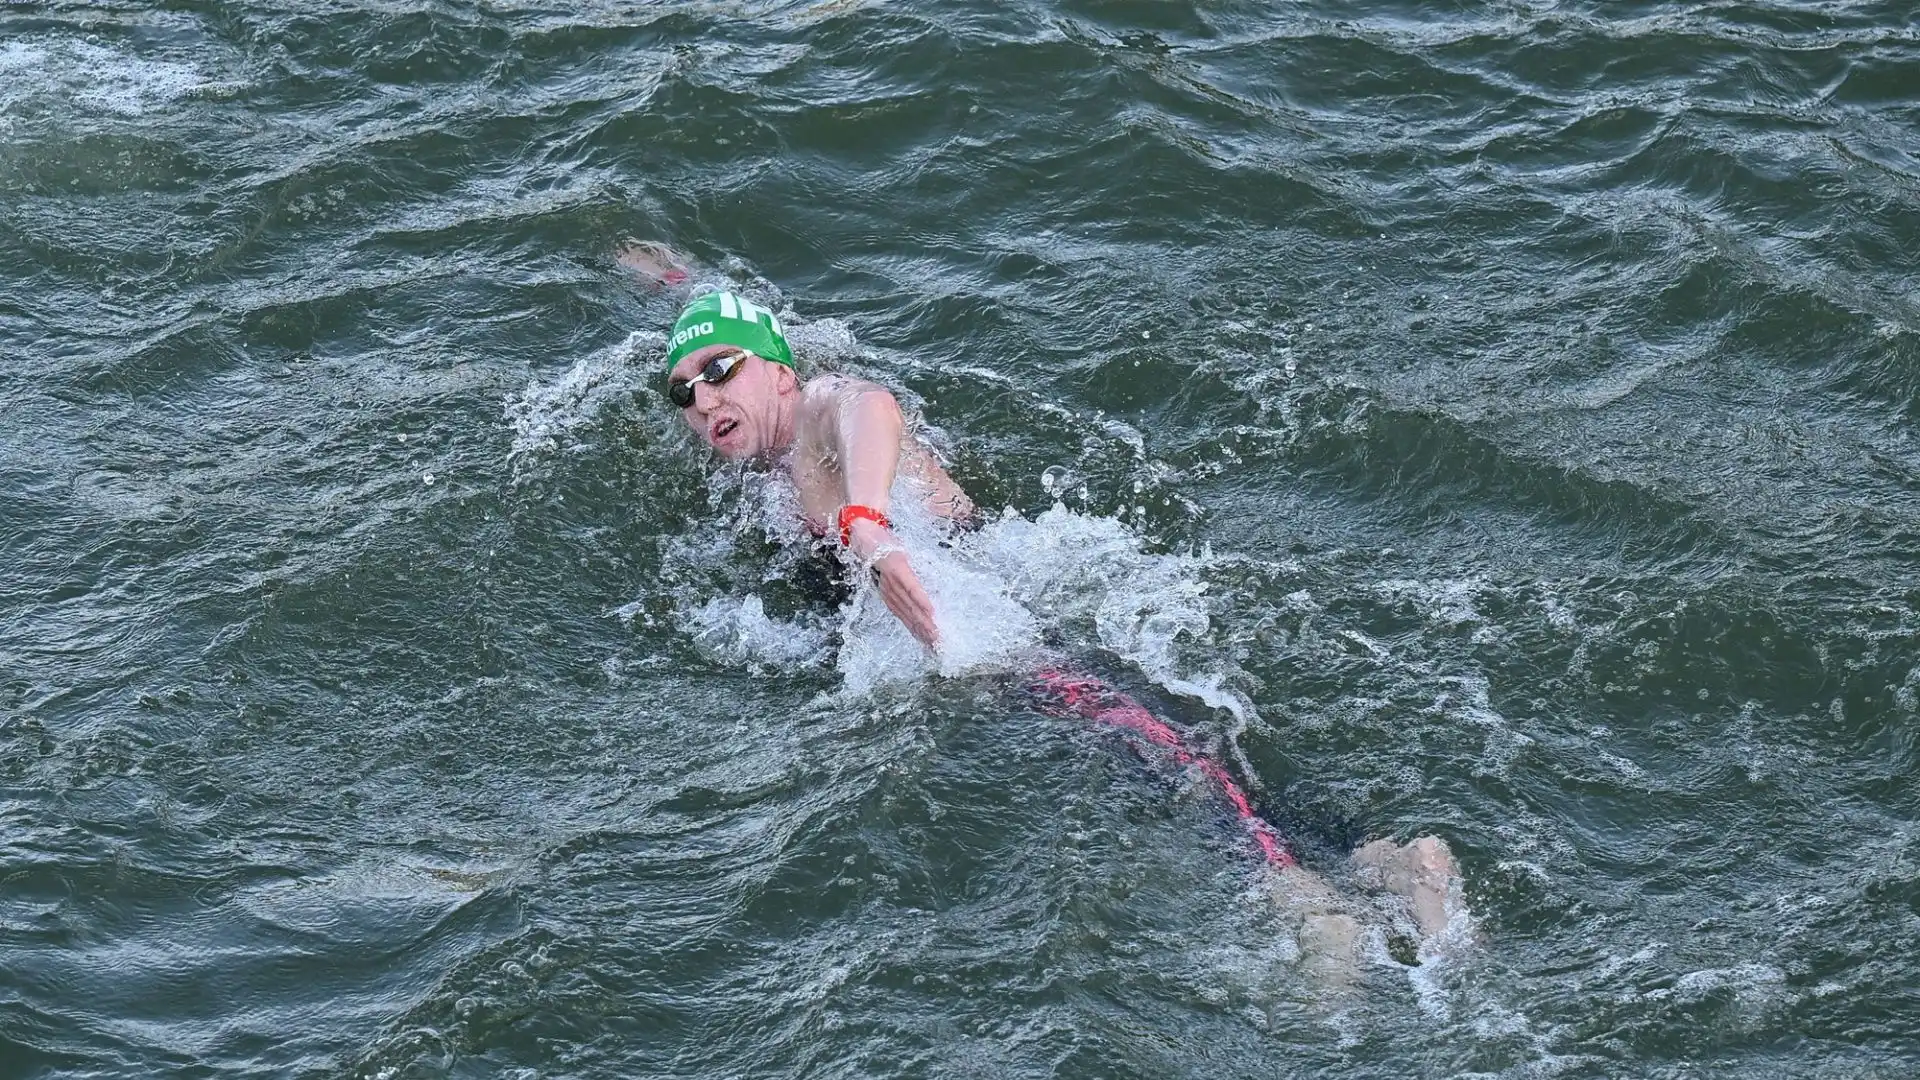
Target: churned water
1493 420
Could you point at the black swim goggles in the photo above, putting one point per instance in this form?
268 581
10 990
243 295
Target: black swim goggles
718 370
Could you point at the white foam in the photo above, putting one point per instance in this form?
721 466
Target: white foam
545 415
1470 701
1073 568
1445 602
1746 980
738 630
1086 578
996 592
92 77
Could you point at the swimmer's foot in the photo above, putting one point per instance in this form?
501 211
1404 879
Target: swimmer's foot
1422 871
655 264
1330 949
1330 946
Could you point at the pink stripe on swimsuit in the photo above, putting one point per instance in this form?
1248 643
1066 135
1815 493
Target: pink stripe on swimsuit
1090 699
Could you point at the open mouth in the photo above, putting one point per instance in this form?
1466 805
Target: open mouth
723 429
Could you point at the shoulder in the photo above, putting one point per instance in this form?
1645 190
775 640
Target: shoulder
838 386
830 393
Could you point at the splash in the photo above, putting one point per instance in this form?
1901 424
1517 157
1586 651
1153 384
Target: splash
1006 596
740 631
983 625
1090 579
546 417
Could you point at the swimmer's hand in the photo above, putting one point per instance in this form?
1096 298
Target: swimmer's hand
900 587
655 264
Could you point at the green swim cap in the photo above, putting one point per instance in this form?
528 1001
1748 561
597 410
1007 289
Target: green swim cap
724 318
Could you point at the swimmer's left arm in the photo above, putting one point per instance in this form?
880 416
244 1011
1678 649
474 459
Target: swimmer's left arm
867 431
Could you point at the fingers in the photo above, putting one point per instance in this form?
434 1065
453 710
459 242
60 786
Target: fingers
901 591
909 603
903 594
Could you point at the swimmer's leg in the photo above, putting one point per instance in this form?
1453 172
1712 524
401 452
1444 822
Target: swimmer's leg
1423 871
655 264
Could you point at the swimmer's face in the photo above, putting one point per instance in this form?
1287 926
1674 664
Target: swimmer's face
739 417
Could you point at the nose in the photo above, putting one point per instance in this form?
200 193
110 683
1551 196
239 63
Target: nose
705 397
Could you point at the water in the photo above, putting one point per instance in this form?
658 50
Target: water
1493 420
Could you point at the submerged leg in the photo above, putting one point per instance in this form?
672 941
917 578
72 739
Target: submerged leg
1153 738
1329 930
1422 871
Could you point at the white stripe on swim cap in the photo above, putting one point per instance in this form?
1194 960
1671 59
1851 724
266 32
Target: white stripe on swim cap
751 312
739 307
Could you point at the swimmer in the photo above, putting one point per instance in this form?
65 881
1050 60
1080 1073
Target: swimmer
843 441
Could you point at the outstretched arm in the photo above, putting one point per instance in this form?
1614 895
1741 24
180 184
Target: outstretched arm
868 433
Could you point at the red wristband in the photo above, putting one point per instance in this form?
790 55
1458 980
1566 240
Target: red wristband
853 512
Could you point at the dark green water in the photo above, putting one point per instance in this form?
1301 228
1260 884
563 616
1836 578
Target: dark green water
1486 419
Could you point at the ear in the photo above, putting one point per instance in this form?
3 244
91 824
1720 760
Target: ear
785 381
